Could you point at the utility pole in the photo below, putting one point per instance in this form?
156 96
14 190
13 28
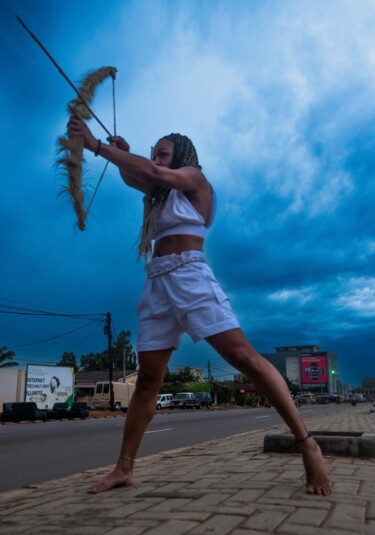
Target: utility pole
124 365
209 376
108 332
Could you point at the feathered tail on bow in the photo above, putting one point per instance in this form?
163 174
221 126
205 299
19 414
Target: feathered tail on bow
70 148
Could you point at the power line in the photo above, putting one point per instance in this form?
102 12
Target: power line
51 337
29 310
49 314
85 338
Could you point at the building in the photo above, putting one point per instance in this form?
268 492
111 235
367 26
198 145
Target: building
12 385
308 367
197 373
86 381
243 384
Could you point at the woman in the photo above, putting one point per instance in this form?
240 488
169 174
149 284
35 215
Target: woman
182 295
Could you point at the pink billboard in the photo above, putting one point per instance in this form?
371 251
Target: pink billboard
314 369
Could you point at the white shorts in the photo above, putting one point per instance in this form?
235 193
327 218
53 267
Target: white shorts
181 295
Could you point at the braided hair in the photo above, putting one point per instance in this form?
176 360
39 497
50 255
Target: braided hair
184 155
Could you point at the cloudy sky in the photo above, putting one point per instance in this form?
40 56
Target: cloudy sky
279 99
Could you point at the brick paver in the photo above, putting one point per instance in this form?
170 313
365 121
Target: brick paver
226 486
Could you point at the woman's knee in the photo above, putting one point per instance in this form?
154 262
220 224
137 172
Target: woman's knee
245 360
244 357
148 382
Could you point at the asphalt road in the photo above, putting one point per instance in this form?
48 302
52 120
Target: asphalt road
34 452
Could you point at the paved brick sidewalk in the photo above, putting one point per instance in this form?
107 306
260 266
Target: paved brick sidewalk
225 486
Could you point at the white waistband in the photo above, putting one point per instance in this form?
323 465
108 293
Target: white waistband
164 264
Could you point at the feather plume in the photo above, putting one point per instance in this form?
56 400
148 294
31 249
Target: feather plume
70 148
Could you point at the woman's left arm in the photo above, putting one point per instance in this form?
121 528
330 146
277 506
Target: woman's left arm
137 167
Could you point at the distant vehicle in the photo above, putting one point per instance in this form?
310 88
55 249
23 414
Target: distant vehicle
307 398
122 393
164 401
327 398
186 400
62 410
204 399
357 397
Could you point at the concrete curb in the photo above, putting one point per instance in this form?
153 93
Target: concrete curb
352 444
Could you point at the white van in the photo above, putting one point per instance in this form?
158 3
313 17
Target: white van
122 392
164 401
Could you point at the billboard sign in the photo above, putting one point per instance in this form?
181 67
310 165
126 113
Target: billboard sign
314 370
46 385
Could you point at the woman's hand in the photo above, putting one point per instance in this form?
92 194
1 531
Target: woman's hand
119 142
78 127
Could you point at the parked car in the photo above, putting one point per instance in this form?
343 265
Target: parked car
6 415
22 410
79 410
186 400
59 411
204 399
164 401
62 410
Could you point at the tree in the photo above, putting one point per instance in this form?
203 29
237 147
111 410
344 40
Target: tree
94 362
224 392
368 382
123 349
120 349
183 376
7 355
68 359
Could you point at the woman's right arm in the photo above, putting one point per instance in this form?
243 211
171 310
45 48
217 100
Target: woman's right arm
135 183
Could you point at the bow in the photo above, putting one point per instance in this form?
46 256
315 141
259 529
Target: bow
71 149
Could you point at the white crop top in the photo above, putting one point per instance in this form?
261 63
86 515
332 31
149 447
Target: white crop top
179 216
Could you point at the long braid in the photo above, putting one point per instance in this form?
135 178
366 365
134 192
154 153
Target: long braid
184 155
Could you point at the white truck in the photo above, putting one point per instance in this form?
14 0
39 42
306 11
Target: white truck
122 392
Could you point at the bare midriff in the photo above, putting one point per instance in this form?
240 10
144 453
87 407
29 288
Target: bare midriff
177 244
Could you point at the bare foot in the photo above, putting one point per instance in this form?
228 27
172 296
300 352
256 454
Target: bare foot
317 479
116 478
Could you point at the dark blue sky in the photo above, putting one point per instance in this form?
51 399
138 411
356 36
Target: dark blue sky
279 99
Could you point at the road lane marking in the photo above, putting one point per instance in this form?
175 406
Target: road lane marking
160 430
268 415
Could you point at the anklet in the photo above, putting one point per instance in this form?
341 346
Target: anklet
129 459
300 440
